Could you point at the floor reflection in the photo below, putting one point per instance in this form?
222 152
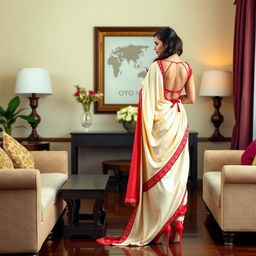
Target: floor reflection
153 250
202 236
82 247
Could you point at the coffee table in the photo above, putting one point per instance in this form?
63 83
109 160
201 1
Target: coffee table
85 187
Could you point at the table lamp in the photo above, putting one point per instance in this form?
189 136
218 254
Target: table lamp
216 84
33 82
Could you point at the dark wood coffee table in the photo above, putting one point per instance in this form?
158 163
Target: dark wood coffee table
85 187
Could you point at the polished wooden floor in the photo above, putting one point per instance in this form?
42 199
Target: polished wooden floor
202 236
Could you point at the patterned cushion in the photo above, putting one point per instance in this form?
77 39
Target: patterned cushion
19 155
5 161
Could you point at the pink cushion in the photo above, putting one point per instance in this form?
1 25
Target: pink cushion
249 154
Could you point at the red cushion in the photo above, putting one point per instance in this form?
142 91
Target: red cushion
249 154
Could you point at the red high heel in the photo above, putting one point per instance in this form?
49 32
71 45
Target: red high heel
179 229
167 232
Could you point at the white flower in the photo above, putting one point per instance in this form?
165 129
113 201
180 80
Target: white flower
127 115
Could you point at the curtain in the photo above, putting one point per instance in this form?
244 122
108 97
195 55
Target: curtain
254 97
243 73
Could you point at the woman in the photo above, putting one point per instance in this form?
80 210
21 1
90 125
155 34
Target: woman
160 159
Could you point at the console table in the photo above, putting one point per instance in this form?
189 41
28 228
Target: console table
123 139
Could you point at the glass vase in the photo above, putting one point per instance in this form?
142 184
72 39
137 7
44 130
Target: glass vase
87 117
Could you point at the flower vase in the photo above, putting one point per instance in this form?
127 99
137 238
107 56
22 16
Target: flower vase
87 117
129 127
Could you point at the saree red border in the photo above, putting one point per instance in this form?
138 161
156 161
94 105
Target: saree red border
159 175
108 240
133 186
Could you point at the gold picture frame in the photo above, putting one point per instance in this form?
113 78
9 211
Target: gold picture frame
117 54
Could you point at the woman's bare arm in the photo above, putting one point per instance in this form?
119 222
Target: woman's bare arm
190 96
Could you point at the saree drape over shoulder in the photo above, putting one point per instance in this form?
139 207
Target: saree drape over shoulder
160 164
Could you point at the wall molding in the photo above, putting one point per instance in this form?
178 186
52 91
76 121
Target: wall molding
206 139
67 139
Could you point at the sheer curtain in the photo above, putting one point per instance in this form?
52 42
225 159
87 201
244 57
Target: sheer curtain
243 73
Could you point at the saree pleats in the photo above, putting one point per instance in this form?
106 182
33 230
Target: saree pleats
160 164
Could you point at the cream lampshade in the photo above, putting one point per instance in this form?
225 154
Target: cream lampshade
32 82
216 84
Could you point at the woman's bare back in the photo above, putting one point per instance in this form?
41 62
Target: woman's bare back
175 75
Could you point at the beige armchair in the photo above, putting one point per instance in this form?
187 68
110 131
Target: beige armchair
229 192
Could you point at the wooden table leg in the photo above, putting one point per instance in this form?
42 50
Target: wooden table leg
71 211
98 212
76 210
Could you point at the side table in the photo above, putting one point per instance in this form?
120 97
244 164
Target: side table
85 187
36 146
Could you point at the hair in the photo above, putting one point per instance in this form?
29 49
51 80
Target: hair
173 42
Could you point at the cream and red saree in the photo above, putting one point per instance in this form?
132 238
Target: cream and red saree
160 164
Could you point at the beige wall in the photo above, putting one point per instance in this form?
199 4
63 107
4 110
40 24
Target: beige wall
58 35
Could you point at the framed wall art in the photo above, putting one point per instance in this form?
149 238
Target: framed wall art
122 58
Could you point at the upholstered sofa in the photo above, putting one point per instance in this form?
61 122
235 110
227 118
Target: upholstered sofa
30 204
229 191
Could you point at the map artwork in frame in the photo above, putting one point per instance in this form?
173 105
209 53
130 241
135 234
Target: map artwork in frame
122 58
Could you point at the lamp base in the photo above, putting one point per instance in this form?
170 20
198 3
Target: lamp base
217 119
33 100
217 136
33 137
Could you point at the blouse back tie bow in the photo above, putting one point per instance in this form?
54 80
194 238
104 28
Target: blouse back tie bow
175 101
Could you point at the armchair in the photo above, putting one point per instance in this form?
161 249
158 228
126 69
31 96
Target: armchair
229 192
30 202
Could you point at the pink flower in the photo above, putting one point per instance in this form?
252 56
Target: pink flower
77 94
91 92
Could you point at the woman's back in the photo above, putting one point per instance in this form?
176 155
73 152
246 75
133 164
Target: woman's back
175 76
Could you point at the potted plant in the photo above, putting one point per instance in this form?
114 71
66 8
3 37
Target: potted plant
128 117
9 116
